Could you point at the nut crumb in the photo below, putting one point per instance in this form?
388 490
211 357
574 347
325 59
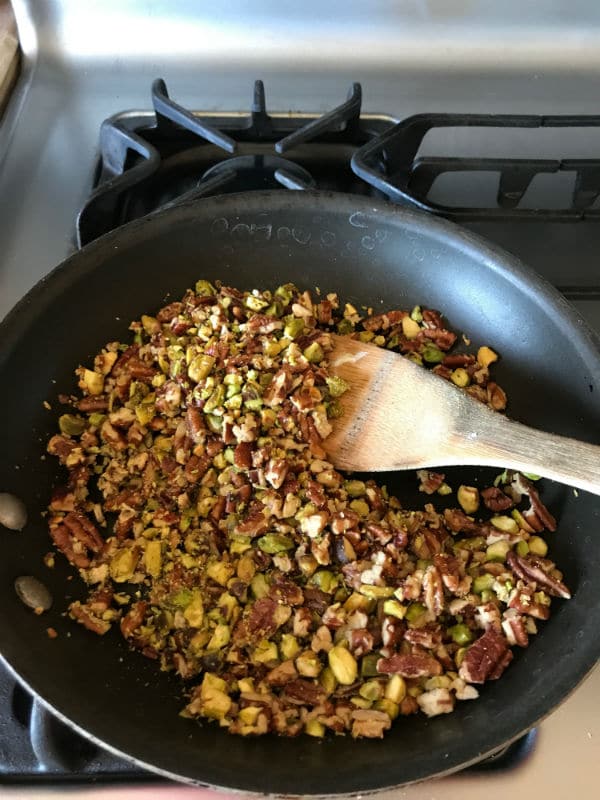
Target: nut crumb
52 634
47 405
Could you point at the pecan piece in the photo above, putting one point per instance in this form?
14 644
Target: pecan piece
429 636
242 455
459 522
63 539
486 658
537 515
515 630
495 499
261 622
286 591
522 600
89 620
433 590
133 619
360 641
84 531
429 482
304 692
369 723
169 312
529 569
279 387
410 666
282 674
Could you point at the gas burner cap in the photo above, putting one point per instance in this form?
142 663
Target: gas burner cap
260 172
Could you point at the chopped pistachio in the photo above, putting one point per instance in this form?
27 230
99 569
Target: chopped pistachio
315 728
410 327
275 543
92 382
343 665
486 356
497 551
432 354
71 425
122 565
483 582
505 524
396 688
537 546
468 498
460 377
314 353
460 634
337 386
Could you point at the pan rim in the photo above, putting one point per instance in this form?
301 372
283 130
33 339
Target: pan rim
474 246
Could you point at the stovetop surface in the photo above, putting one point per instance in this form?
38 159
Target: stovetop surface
49 164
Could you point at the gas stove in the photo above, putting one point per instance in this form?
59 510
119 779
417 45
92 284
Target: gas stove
84 150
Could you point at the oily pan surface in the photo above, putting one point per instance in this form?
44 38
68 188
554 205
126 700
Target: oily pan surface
547 370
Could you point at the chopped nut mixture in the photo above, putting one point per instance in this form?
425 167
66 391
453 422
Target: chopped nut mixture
203 514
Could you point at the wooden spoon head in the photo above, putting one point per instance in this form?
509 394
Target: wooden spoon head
397 415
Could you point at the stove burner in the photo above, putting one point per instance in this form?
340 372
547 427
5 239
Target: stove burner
146 165
260 172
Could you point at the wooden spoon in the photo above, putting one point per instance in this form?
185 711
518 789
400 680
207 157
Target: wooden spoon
398 415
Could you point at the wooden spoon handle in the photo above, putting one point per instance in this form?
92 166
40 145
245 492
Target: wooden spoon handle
499 442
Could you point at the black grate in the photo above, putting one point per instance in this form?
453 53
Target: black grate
391 163
148 163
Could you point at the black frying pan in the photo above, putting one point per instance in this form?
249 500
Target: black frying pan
371 254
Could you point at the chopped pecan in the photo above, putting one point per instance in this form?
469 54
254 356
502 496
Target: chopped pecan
242 455
392 631
254 523
429 482
88 619
73 550
90 404
169 312
486 658
315 599
452 572
360 641
522 599
537 515
195 424
282 674
279 388
285 590
304 692
496 396
433 590
429 636
61 446
410 666
495 499
369 723
133 619
84 531
459 522
529 568
261 622
276 471
515 630
316 494
380 533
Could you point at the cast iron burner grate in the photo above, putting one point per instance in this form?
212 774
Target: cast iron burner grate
150 161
